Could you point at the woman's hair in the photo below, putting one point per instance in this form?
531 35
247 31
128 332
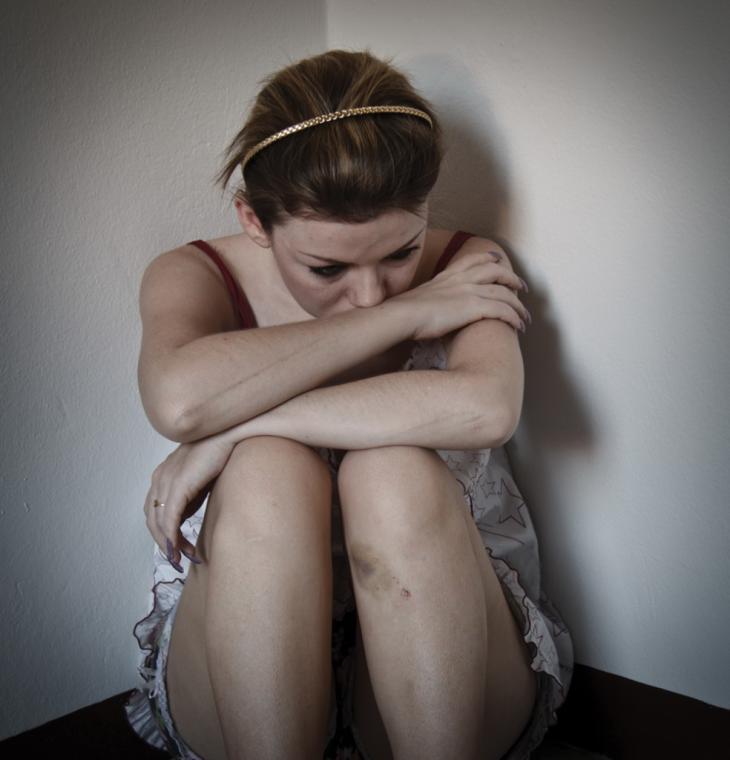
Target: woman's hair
349 170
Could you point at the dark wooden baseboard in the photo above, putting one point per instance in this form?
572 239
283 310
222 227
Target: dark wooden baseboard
96 731
101 731
606 714
628 720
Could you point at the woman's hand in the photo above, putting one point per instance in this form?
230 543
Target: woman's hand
181 483
469 289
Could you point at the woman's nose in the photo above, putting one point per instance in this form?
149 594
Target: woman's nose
368 291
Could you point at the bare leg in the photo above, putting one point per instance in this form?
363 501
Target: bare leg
427 618
267 619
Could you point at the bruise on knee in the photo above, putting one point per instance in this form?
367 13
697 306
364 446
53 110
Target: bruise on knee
372 572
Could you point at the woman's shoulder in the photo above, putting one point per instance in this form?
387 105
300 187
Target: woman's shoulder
437 241
194 269
218 257
437 238
206 253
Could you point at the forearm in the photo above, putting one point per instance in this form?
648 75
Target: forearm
226 379
435 409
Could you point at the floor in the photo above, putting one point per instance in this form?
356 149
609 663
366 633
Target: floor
100 731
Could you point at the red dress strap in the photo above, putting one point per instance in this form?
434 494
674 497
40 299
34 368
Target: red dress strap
240 302
457 240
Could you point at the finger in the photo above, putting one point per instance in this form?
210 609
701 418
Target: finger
170 529
512 310
164 543
156 495
483 271
493 308
186 547
151 518
505 294
164 527
184 507
190 554
479 257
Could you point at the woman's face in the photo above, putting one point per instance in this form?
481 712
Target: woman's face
330 267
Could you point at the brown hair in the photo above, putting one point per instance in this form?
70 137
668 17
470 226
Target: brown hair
350 170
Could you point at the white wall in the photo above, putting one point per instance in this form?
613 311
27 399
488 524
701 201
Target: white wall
591 135
115 116
594 137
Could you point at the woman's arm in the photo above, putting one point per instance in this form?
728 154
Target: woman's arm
474 403
435 409
281 361
197 379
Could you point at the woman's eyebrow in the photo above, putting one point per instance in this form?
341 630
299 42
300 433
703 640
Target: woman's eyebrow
334 261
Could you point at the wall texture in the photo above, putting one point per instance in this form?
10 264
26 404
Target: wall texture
115 116
592 136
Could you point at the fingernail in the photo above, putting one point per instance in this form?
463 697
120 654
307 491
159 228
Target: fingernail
192 557
524 285
522 327
529 317
170 559
495 255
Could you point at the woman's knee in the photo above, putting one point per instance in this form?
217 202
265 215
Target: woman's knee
407 491
269 480
387 467
274 460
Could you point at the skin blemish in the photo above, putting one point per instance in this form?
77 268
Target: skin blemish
369 570
365 567
404 591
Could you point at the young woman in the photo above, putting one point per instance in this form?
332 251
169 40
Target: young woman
341 379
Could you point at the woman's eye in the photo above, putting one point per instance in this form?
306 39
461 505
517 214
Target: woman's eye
326 271
334 269
401 255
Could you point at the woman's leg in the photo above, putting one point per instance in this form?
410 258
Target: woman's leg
249 668
438 635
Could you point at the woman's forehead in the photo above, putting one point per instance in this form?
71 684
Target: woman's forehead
392 228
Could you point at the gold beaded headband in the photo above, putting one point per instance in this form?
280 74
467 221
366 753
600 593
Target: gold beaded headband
331 117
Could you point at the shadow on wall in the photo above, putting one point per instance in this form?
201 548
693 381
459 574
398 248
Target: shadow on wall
474 193
471 192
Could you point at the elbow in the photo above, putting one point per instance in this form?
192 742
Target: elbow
168 421
184 428
493 429
505 426
164 403
498 424
171 426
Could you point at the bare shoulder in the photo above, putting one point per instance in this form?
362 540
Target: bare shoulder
186 257
183 283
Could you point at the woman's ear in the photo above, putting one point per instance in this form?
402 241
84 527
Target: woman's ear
250 223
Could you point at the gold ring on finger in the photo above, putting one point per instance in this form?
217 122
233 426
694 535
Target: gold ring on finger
157 503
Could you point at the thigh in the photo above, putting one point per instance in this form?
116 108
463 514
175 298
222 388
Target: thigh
253 464
511 684
365 713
